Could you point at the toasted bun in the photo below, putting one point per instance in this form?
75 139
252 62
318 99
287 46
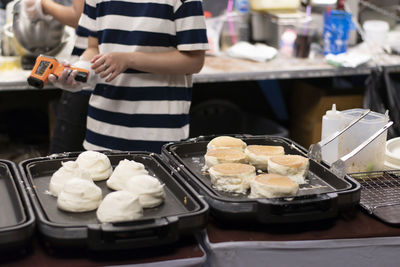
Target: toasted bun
233 168
232 177
226 142
259 155
272 186
293 166
266 150
292 161
225 155
275 180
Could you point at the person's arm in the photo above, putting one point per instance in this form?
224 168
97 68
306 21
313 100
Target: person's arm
68 15
171 62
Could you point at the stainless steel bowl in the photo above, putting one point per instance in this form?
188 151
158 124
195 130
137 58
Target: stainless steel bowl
37 37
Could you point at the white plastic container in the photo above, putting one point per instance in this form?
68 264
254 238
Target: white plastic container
376 32
372 157
330 125
266 5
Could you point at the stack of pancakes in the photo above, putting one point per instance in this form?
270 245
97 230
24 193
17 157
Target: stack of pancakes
233 166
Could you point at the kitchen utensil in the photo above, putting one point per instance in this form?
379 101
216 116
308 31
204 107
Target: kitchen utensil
339 166
39 36
314 151
380 194
46 65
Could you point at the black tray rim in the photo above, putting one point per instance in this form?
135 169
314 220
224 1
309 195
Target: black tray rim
19 235
53 231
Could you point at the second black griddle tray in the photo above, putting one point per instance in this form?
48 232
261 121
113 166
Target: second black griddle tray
324 195
17 219
182 212
380 194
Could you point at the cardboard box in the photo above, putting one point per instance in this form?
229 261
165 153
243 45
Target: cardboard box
308 104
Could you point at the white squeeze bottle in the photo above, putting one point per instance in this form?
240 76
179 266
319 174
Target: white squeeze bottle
330 125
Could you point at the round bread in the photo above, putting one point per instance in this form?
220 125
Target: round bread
226 142
272 186
96 163
79 195
293 166
123 172
224 155
232 177
259 154
119 206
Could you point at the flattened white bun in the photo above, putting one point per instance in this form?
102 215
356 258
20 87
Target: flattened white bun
232 177
259 154
148 188
79 195
293 166
224 155
96 163
119 206
125 170
66 172
226 142
272 186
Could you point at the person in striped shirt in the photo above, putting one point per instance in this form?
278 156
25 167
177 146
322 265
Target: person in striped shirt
142 55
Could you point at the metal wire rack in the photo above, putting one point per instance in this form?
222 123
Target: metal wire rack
380 194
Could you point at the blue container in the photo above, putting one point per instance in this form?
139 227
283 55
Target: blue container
337 26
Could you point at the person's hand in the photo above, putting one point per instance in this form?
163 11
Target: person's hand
32 9
110 65
66 80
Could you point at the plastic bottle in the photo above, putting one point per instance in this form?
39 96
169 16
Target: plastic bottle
330 125
242 8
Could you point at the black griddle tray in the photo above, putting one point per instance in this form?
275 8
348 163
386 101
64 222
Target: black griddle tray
17 220
324 195
380 194
181 213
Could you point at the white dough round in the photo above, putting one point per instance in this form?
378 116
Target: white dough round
148 188
119 206
66 172
125 170
79 195
96 163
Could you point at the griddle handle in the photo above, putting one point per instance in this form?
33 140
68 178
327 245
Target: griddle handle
128 235
318 207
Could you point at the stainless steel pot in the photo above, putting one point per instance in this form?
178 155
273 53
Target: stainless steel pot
37 37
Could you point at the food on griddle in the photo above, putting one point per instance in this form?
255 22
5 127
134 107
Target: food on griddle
119 206
148 188
224 155
259 154
66 172
96 163
79 195
272 186
232 177
226 142
293 166
123 172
